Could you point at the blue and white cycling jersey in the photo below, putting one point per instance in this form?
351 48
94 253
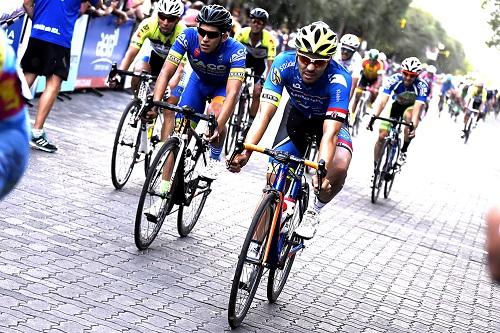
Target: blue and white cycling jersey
227 62
328 96
404 95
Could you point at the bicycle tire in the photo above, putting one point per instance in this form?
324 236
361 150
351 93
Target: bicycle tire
142 220
118 180
378 175
468 129
235 316
388 183
235 126
186 223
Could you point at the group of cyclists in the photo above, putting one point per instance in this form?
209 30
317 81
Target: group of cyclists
323 75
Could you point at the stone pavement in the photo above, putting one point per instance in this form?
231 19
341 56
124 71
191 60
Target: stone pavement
412 263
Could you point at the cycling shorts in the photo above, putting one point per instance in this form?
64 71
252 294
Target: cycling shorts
364 82
196 93
293 132
397 111
14 151
258 65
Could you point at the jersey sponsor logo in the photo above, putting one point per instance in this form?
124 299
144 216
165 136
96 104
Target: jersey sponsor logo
196 52
297 86
276 77
286 65
45 28
239 55
183 41
422 89
237 73
208 68
173 59
337 78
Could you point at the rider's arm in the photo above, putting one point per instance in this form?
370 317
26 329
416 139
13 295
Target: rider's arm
259 125
132 52
233 88
380 103
271 51
28 7
328 143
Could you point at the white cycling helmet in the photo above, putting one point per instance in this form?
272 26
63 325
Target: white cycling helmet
171 7
412 64
350 42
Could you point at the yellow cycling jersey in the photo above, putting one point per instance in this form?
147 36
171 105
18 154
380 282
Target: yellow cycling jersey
149 29
265 48
473 92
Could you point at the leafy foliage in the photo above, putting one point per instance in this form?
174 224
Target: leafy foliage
493 6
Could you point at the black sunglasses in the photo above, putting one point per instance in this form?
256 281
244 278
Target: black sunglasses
169 18
209 34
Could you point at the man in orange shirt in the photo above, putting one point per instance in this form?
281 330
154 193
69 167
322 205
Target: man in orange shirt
371 77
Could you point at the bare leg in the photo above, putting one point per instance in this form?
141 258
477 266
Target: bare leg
47 100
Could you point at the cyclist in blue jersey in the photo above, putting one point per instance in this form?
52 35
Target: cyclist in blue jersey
447 87
14 147
409 95
319 90
48 54
218 63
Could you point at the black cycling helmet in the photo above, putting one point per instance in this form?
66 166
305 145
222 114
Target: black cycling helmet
259 14
217 16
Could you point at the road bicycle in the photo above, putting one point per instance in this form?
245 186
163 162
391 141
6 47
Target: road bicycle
387 166
239 122
469 126
271 243
137 135
361 110
178 160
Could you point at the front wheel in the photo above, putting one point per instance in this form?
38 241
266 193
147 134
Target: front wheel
126 145
250 267
391 170
468 129
378 174
155 203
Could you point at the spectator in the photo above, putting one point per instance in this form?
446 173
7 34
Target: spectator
48 54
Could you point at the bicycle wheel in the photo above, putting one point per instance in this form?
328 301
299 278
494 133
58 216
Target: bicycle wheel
235 127
249 271
378 175
154 206
196 191
153 141
389 181
126 145
468 129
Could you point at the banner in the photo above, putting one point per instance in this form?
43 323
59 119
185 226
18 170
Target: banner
75 54
14 32
105 43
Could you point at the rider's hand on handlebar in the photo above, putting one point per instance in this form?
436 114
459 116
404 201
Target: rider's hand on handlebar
411 132
238 162
370 124
115 82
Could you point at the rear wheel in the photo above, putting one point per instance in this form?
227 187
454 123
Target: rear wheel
196 191
249 268
235 126
126 145
378 175
154 205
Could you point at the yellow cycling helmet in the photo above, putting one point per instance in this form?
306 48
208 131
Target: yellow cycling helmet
316 38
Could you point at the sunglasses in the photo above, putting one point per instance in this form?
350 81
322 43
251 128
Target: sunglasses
209 34
409 74
318 63
257 22
345 50
168 18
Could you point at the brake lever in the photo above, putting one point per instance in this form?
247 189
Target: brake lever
238 149
321 173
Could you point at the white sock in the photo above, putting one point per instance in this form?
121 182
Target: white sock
37 132
318 205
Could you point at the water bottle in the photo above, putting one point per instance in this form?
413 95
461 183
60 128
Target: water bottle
144 139
287 211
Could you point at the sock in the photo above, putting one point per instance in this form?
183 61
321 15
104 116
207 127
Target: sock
215 153
164 186
37 132
318 205
405 146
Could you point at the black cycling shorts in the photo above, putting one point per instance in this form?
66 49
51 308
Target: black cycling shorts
46 59
258 65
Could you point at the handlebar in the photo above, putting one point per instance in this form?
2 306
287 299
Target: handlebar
282 157
187 111
143 75
394 121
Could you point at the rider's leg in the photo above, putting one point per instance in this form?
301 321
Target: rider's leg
337 173
215 107
140 66
254 107
407 117
382 134
357 95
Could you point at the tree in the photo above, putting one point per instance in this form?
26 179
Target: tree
493 6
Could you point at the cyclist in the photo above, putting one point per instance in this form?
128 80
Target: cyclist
474 100
429 76
408 94
350 58
318 105
218 63
447 88
371 77
161 30
14 137
261 51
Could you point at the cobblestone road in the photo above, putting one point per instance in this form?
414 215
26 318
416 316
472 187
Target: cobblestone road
412 263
